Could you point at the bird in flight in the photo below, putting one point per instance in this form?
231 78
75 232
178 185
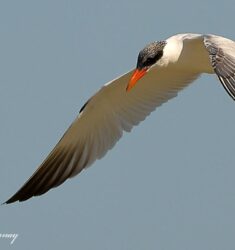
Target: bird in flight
163 69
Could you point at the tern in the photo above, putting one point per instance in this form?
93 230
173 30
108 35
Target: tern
163 69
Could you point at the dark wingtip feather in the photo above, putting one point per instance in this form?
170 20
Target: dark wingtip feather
36 181
50 174
229 86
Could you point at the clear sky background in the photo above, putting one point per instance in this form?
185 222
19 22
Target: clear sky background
168 185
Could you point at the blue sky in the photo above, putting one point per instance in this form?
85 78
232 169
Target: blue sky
170 184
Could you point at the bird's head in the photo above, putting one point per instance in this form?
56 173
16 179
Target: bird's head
148 57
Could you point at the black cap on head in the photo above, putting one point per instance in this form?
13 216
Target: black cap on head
150 54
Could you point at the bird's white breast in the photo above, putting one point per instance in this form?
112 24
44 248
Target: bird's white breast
187 51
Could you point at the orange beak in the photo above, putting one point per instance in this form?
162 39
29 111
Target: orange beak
135 77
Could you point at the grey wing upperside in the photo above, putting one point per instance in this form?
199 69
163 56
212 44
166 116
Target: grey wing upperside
222 56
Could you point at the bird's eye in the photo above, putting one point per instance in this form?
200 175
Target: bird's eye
147 60
150 60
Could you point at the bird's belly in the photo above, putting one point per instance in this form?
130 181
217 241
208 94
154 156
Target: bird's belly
198 62
195 57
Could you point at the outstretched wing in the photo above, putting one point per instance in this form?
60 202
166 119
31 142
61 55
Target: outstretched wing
222 55
101 123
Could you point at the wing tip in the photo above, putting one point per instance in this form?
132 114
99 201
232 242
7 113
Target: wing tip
228 86
16 197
